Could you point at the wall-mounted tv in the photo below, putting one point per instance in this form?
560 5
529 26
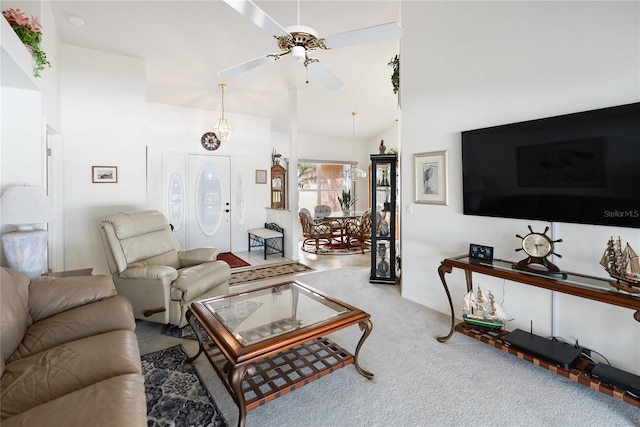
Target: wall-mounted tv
581 168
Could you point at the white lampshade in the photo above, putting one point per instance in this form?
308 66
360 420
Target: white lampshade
25 206
298 53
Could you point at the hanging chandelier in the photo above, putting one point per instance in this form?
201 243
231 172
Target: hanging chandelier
223 128
353 172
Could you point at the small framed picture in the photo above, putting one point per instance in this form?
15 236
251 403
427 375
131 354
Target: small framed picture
430 175
104 174
261 176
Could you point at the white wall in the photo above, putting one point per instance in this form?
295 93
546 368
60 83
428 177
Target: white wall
22 143
179 129
50 80
467 65
22 147
103 110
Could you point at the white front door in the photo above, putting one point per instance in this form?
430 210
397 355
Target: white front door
208 198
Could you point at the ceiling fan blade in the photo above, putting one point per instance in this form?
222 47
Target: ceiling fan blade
377 33
256 15
245 66
324 75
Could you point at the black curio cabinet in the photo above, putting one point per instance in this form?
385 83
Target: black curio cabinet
383 227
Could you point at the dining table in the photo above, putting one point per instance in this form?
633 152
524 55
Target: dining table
338 222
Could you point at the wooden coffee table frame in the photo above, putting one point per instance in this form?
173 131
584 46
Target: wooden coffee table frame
259 373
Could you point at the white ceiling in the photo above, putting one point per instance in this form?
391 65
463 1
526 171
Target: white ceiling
186 42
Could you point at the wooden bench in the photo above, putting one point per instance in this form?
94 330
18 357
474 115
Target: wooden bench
271 237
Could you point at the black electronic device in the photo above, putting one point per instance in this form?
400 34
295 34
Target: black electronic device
572 168
480 253
555 352
617 377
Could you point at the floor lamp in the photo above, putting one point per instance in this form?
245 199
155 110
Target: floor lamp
27 208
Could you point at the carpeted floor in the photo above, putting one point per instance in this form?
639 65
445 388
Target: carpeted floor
337 249
418 381
175 393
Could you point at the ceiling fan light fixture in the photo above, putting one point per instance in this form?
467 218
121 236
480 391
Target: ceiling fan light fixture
223 128
298 53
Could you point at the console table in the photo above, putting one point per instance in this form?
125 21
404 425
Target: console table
594 288
580 285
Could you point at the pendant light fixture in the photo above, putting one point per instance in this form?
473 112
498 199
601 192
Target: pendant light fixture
353 172
223 128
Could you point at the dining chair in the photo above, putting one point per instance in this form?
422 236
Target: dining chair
359 230
314 230
320 211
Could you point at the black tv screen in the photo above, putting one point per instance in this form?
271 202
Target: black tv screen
579 168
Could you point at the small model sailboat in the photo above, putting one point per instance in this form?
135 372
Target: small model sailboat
486 313
622 264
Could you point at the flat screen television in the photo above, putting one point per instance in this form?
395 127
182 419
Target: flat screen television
580 168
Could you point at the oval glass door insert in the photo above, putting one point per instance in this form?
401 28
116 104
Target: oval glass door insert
209 204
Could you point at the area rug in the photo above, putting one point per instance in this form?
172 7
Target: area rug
267 272
337 249
175 393
235 315
234 261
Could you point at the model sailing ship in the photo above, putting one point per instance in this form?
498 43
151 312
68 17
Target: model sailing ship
622 264
486 313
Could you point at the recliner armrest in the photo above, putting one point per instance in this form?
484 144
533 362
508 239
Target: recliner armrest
150 272
52 296
197 256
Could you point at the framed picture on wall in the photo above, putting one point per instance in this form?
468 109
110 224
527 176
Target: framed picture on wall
430 176
104 174
261 176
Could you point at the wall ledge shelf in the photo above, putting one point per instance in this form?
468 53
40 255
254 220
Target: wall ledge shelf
17 63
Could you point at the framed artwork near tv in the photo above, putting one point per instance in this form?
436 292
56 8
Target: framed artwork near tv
430 177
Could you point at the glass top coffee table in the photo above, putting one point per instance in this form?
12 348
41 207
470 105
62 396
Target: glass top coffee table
269 341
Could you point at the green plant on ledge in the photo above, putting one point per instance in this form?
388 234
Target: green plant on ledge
346 201
29 32
395 76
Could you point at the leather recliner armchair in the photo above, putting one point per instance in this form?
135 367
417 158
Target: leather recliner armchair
149 268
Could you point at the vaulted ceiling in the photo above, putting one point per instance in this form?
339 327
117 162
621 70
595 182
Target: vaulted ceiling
185 43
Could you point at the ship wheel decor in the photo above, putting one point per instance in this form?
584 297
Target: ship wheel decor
539 247
621 262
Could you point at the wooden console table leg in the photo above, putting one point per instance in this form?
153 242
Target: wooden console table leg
442 270
365 326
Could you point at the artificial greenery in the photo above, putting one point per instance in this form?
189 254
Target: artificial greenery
346 201
395 76
29 32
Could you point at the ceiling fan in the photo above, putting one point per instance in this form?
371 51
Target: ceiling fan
299 40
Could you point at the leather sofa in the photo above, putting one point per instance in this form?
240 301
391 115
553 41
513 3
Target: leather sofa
70 355
149 268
